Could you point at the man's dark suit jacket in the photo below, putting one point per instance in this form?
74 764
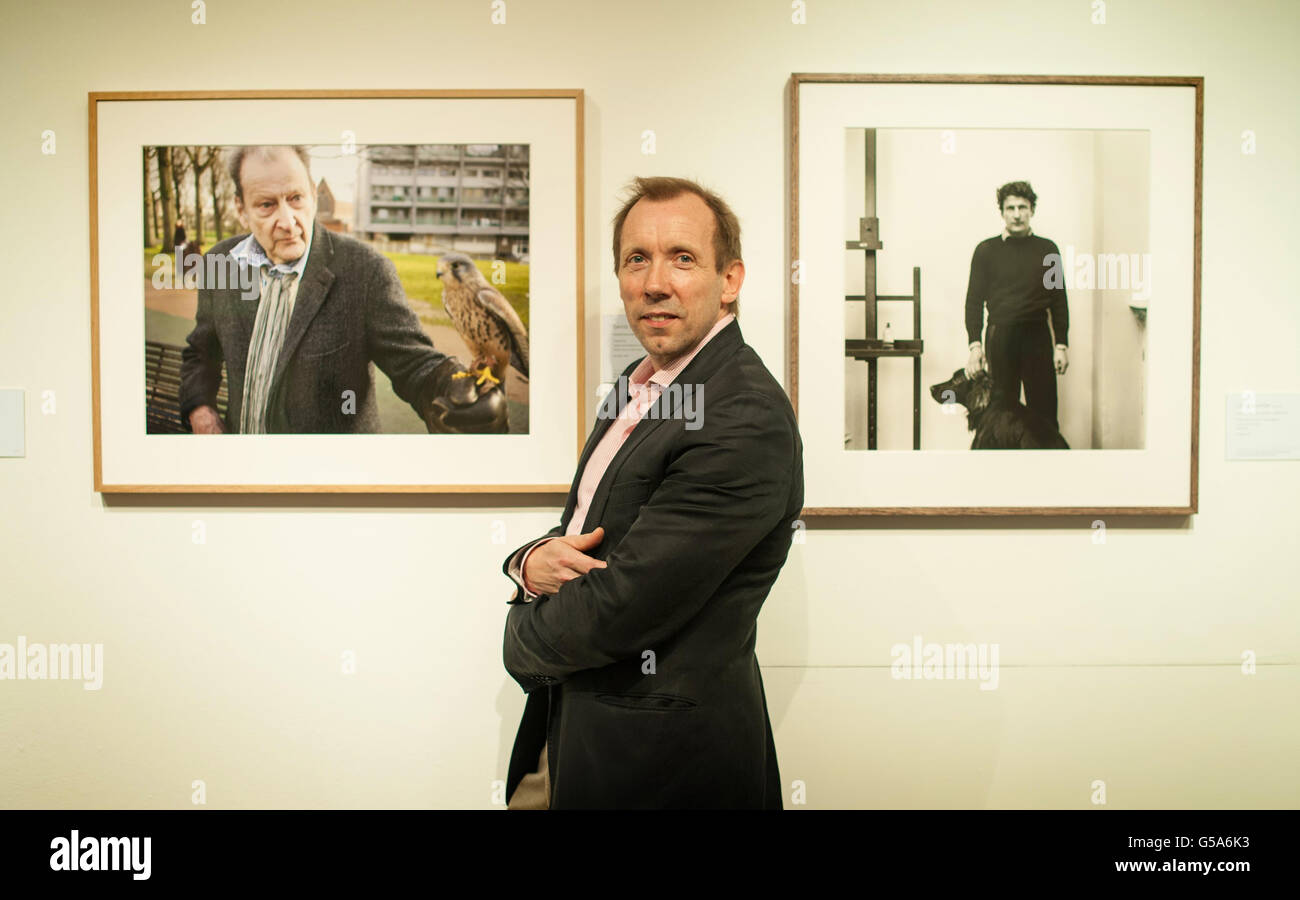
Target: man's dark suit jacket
350 309
697 526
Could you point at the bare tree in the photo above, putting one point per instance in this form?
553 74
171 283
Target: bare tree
201 159
165 184
180 166
223 190
157 210
148 199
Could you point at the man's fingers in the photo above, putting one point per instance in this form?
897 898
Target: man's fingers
578 561
584 564
588 540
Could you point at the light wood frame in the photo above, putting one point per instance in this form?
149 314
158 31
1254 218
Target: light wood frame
793 110
556 488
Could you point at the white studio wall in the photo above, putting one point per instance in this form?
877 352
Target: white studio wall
227 621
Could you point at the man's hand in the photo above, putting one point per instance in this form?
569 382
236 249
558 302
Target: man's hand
205 420
459 407
553 563
976 360
1061 360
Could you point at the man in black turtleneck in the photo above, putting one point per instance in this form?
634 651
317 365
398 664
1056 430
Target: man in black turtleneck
1007 274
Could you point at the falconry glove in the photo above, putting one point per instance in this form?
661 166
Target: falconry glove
459 407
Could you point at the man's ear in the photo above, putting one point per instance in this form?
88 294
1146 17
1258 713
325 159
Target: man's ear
732 279
242 215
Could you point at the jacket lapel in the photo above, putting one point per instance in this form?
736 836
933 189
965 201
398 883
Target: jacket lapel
717 351
316 280
244 317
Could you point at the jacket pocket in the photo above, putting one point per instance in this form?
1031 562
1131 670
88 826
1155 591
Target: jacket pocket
651 702
630 492
313 353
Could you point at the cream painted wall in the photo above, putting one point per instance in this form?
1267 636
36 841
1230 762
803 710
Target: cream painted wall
1119 661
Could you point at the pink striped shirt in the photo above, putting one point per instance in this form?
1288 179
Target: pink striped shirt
645 384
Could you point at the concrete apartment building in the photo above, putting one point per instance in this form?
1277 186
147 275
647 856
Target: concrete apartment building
431 198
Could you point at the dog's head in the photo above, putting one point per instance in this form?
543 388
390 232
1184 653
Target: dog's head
972 393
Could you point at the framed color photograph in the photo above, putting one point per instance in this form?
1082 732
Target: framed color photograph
996 263
336 291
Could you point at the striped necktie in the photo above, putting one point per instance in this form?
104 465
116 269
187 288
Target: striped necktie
264 349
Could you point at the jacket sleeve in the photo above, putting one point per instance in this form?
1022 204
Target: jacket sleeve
201 361
725 491
517 558
395 339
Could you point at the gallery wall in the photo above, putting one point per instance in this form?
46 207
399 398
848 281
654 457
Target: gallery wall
1121 660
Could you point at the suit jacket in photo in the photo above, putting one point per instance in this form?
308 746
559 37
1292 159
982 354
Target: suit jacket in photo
641 677
350 309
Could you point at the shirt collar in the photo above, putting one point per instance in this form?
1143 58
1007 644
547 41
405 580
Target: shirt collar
250 253
1006 234
646 371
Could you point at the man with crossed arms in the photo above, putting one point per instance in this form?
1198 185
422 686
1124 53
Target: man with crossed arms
634 638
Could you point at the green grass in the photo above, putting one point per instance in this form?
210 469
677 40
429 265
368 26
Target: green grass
418 274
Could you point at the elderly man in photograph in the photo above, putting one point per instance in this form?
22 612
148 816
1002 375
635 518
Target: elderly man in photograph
1007 274
633 624
322 306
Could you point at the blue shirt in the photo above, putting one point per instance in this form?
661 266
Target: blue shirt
250 253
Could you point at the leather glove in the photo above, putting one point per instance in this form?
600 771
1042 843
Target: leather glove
459 407
486 415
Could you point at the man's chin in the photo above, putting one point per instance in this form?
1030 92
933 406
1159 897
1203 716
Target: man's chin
286 253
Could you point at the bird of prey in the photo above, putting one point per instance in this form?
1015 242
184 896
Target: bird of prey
485 320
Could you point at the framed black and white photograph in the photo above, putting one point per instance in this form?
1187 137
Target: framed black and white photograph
1004 263
337 291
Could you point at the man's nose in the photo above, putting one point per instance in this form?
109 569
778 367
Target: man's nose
656 278
284 217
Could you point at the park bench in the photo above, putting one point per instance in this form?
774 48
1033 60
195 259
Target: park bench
162 387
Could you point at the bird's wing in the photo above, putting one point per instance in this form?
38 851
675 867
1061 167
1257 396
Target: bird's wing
501 310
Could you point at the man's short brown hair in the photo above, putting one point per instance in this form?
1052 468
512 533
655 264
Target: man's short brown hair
726 227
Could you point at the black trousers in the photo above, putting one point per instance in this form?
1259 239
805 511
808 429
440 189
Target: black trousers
1021 353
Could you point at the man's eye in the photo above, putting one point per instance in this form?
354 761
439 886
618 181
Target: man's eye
685 256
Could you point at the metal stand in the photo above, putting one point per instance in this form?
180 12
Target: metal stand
871 349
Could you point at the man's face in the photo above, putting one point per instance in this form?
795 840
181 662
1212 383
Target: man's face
279 203
1016 213
671 292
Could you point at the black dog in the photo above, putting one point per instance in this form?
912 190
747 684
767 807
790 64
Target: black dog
1007 425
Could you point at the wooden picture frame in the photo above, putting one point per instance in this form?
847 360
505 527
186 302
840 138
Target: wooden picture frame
538 460
932 150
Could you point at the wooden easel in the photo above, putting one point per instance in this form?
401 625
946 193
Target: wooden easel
871 349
